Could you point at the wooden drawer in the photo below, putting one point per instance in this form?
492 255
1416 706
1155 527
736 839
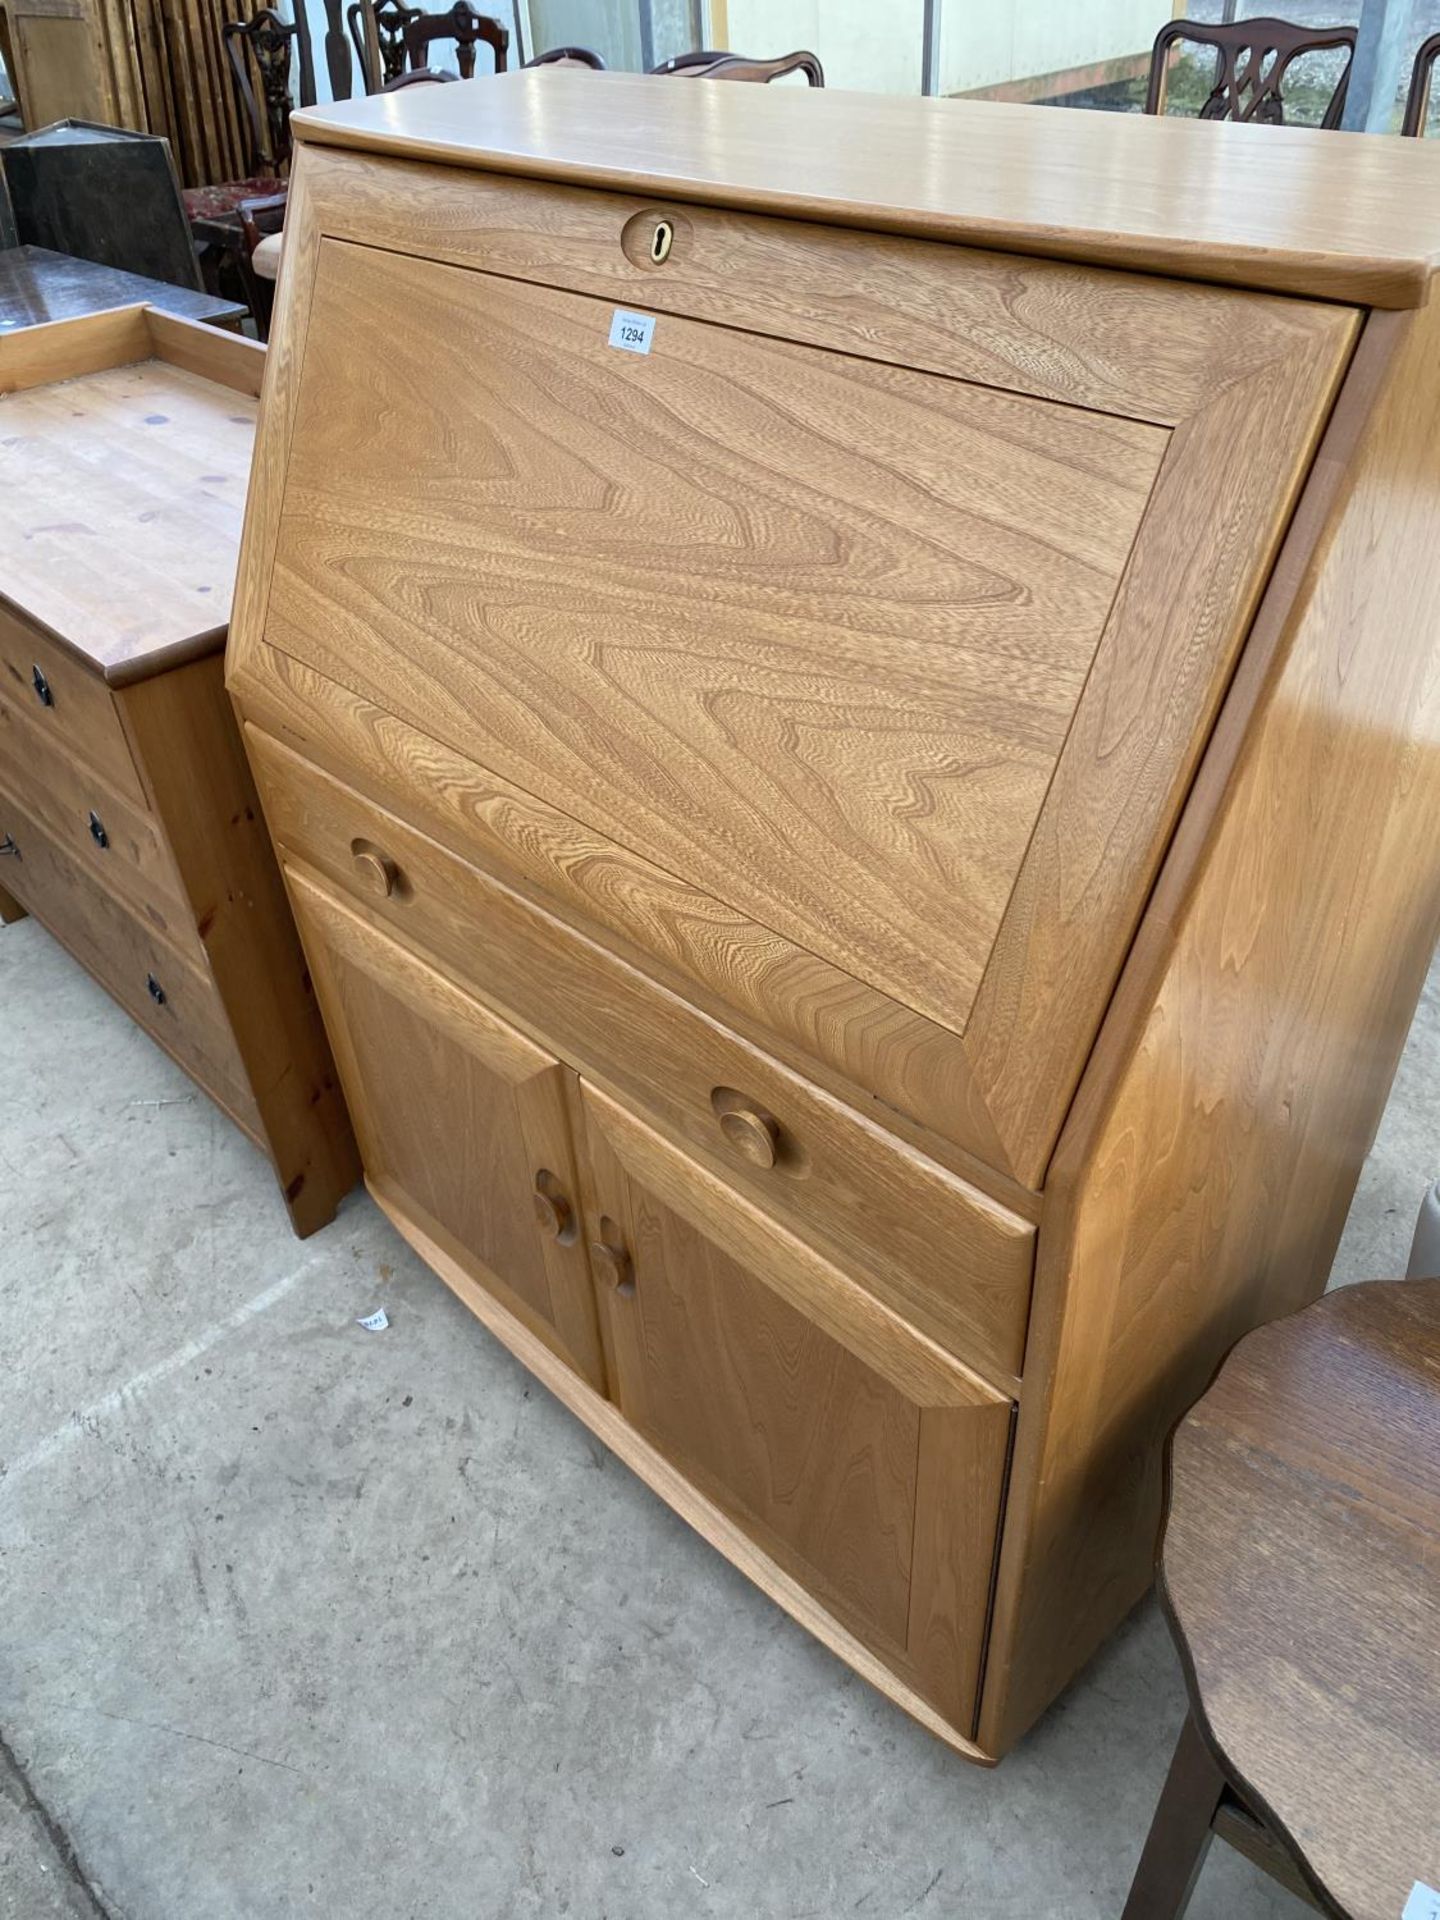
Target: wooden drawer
119 844
68 702
955 1263
174 1001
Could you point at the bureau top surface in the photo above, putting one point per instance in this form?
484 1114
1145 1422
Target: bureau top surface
1343 216
121 498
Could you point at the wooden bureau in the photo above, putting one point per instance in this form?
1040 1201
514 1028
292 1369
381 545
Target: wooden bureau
849 697
129 824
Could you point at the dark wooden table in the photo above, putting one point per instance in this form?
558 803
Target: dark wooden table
37 285
1301 1575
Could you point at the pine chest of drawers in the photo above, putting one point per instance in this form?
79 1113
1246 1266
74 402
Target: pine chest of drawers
856 764
129 824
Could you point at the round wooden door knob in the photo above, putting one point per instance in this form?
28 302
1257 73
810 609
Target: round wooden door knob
378 873
755 1135
613 1264
553 1213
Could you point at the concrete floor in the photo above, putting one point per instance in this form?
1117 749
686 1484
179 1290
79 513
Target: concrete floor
299 1619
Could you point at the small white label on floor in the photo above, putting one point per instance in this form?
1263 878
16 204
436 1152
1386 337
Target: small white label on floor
375 1322
631 332
1423 1904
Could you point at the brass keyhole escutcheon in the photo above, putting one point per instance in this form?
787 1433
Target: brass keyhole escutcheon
661 241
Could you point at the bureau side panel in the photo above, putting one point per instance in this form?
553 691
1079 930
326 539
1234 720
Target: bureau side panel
1205 1172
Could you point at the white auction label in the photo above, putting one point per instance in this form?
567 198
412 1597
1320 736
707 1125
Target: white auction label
631 332
1423 1904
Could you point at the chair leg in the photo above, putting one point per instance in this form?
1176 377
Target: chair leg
1179 1833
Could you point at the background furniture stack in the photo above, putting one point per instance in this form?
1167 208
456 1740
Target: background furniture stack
157 66
37 286
868 915
128 820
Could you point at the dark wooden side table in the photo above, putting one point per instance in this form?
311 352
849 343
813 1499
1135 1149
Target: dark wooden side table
38 286
1301 1576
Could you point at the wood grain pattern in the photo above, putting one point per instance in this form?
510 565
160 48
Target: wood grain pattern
1316 1668
1227 485
1349 220
72 708
134 861
713 1522
89 343
125 955
227 360
1228 870
1222 501
116 735
202 793
1205 1172
458 1115
850 1452
1113 342
810 634
878 1049
121 496
954 1262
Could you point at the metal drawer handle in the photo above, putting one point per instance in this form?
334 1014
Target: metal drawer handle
8 847
97 830
42 687
155 990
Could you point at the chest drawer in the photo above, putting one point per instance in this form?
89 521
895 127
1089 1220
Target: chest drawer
954 1262
118 843
71 706
174 1001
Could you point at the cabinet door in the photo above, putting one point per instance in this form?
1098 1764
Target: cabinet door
461 1121
861 1458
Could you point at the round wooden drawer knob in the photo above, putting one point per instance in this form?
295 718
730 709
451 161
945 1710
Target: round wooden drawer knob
376 872
752 1134
553 1213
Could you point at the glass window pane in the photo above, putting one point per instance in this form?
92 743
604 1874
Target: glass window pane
860 45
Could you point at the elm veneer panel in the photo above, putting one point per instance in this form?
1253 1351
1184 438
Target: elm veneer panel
1166 1038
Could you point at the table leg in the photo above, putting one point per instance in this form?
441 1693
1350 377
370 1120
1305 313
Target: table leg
1179 1833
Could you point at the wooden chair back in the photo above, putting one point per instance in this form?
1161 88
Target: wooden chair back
706 63
1252 59
467 28
377 32
568 57
260 56
1417 100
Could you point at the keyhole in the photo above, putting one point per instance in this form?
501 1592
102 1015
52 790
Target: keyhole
661 241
